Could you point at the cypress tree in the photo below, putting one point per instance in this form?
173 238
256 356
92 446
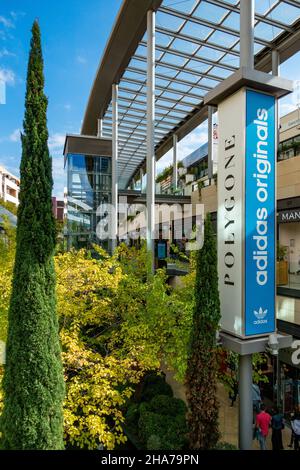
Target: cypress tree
33 379
202 364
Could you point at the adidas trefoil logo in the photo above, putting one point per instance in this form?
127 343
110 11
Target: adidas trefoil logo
260 313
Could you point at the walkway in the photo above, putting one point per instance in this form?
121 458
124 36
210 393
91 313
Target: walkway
228 416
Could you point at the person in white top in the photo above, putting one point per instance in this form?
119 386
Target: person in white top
296 428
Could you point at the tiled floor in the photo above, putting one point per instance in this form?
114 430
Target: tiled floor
228 416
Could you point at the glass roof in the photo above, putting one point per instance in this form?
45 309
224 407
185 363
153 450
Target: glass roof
197 46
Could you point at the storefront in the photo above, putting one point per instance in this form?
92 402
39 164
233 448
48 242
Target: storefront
283 386
288 252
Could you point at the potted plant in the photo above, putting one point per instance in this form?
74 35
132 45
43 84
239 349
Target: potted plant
281 265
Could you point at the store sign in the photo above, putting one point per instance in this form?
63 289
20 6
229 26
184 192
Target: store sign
246 213
292 215
290 124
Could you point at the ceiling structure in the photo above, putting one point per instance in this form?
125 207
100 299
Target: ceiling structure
197 47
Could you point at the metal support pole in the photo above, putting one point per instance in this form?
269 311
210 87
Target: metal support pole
175 162
114 167
210 142
141 178
100 128
246 404
276 72
150 134
275 62
247 33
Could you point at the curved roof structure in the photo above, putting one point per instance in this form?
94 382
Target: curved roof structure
197 47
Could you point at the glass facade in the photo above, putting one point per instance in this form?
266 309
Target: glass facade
89 186
289 148
289 239
283 386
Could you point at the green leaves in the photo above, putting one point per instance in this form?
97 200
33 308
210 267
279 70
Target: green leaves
202 368
33 381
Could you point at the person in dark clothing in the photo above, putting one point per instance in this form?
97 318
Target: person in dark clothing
234 392
277 425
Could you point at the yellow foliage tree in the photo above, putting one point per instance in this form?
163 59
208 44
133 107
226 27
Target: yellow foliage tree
99 383
7 256
115 324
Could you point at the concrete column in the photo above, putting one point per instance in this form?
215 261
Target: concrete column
150 134
175 162
247 33
246 403
114 167
247 9
210 142
141 178
276 72
275 62
100 128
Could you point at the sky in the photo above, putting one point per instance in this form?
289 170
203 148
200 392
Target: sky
74 35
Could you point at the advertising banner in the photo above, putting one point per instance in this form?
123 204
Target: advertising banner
260 216
246 213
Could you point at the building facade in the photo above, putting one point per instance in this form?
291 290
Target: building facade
9 186
58 208
88 165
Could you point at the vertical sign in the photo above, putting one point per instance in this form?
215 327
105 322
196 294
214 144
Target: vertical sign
230 210
260 217
246 213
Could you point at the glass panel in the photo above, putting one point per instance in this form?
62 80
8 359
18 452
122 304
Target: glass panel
266 32
285 13
288 268
210 12
89 186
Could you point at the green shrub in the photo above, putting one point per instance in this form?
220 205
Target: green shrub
132 415
154 378
154 443
150 424
170 431
157 386
225 446
158 422
167 405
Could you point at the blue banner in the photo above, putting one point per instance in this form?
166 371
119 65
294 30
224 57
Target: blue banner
260 217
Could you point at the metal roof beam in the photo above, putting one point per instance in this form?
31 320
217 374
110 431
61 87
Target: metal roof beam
183 69
168 89
199 42
171 79
123 117
187 56
171 100
208 24
141 111
258 17
184 55
158 106
294 3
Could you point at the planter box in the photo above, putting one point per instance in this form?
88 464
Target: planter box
282 273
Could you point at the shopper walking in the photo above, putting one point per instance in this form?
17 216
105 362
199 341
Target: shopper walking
277 424
256 397
296 429
234 392
292 417
263 420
